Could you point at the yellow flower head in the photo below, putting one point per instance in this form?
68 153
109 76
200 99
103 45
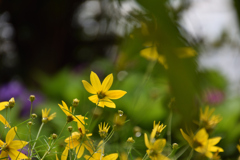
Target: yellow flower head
99 154
78 141
202 144
208 120
11 147
70 117
45 115
102 94
155 147
103 129
159 128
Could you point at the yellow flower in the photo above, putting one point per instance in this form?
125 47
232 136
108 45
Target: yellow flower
78 141
10 148
102 94
103 130
119 119
70 117
159 128
45 115
201 143
207 120
99 154
152 54
154 146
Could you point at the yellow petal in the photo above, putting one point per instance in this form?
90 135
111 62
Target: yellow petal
159 145
74 137
215 149
214 141
202 136
1 142
79 151
89 87
17 144
89 146
87 157
4 155
14 154
3 104
150 53
115 94
4 121
93 98
152 136
186 137
100 148
113 156
107 83
146 141
95 82
101 104
11 134
64 154
64 108
109 103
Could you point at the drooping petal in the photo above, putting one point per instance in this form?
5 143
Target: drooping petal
109 103
87 157
146 141
159 145
14 154
3 104
95 82
4 155
72 144
4 121
186 137
115 94
64 154
89 146
89 87
11 134
101 104
113 156
93 98
107 83
17 144
79 151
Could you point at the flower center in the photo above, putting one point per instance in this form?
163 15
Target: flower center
101 95
196 144
69 118
5 147
152 153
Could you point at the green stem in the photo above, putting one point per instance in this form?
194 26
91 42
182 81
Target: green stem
145 156
190 155
37 138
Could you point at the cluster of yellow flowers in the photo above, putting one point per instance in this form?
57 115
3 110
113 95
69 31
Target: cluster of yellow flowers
80 140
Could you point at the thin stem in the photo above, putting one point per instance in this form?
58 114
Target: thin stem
37 137
169 128
181 152
93 113
190 155
145 156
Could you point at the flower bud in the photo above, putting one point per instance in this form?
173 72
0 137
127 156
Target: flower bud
44 120
32 98
54 136
70 129
75 102
174 146
30 123
34 116
130 140
11 102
